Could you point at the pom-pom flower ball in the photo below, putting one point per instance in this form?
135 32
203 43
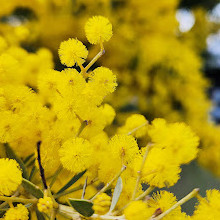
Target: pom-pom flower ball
98 29
101 204
72 51
105 79
10 176
18 213
45 204
75 154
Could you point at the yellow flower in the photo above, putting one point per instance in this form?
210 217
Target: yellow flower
176 137
160 170
45 204
138 210
48 82
10 176
136 124
124 147
109 113
75 154
72 51
101 83
98 29
162 201
18 213
101 204
209 207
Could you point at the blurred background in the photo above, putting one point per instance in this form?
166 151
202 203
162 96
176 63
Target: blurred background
166 55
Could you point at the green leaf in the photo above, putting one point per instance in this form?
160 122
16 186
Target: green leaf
83 206
11 154
32 189
116 194
71 182
28 158
33 171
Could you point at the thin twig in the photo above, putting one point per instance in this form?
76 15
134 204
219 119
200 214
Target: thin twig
145 193
40 165
140 171
180 202
17 199
101 52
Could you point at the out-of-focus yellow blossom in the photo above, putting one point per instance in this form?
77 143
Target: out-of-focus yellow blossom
136 125
72 51
101 204
48 82
22 33
160 169
3 44
138 210
20 212
175 137
109 113
98 29
208 207
75 154
10 175
45 204
101 83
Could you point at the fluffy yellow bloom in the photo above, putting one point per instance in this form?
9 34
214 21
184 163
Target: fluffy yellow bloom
109 166
176 137
10 176
138 210
45 204
101 83
136 124
18 213
101 204
160 170
162 201
124 147
98 29
72 51
105 78
209 207
48 82
75 154
109 113
72 82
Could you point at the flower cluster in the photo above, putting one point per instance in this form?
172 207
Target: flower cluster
56 131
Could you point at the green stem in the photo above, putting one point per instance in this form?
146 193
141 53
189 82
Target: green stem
16 199
109 184
101 52
180 202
